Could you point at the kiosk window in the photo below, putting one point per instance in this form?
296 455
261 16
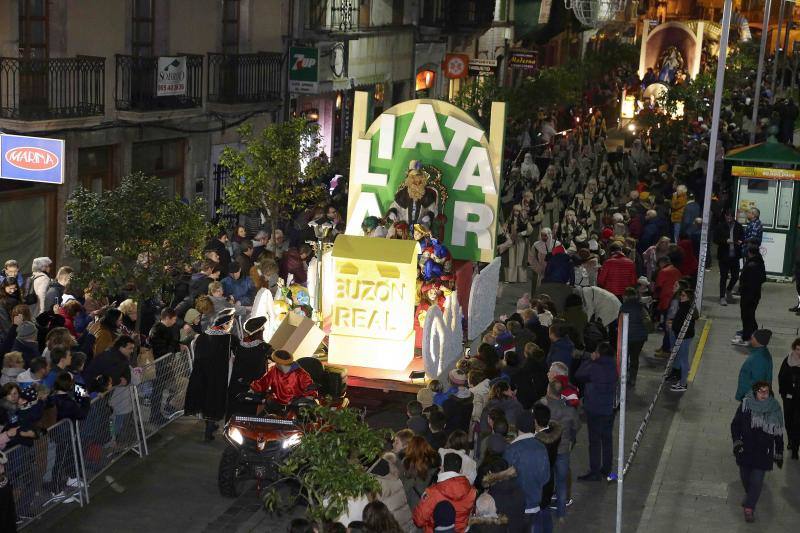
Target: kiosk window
784 217
762 194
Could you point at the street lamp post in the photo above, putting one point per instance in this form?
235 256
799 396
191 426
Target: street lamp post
760 72
322 228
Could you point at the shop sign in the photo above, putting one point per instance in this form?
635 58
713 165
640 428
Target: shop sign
171 79
438 150
36 159
303 70
456 66
523 60
482 67
766 173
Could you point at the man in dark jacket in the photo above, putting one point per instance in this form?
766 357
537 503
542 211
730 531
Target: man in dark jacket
599 379
753 276
26 342
56 288
209 271
529 458
650 233
501 483
728 236
548 432
218 244
114 363
637 331
164 339
561 346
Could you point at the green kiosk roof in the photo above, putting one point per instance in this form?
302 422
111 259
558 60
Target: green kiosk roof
767 152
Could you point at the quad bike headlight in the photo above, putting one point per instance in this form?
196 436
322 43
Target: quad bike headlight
292 441
236 435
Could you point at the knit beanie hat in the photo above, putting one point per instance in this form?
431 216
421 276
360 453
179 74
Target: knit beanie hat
191 315
457 377
763 336
444 516
485 505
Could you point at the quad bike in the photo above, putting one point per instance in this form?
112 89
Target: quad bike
258 445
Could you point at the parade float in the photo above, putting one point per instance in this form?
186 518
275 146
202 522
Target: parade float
418 249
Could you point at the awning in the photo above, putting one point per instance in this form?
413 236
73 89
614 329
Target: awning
767 152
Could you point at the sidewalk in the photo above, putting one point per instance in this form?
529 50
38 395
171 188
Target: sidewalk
696 487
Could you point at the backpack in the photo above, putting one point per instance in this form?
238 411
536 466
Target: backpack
593 334
28 294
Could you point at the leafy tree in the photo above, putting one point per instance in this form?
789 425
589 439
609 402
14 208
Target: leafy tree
278 171
476 97
330 462
129 239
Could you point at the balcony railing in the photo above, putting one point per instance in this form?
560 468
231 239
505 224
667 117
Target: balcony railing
54 88
244 78
457 15
137 79
334 15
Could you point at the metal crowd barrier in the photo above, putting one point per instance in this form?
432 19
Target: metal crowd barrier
160 395
46 474
60 466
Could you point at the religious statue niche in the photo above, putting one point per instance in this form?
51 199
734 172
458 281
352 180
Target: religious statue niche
670 62
422 195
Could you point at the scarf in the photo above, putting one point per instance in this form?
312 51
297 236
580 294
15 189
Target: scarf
764 415
792 359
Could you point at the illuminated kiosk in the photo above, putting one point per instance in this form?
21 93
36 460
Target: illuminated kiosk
766 176
373 305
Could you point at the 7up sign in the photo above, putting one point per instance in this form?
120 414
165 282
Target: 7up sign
429 163
303 70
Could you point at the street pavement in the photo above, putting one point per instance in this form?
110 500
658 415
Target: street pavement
684 478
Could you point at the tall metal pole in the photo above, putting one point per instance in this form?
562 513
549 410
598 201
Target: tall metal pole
760 72
623 386
777 50
712 148
789 17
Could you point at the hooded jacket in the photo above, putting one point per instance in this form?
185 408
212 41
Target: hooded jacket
757 367
569 393
452 487
551 438
561 350
567 419
504 488
529 457
617 273
600 385
285 387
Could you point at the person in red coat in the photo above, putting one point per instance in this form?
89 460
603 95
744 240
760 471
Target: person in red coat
689 261
666 278
452 487
286 381
617 273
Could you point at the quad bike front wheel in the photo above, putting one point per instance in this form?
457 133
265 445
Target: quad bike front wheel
232 473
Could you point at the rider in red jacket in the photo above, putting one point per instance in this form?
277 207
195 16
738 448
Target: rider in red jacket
286 380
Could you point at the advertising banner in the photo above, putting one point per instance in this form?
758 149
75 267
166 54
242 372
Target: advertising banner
525 60
482 67
432 164
303 70
455 66
171 79
36 159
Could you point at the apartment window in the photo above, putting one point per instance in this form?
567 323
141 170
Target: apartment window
96 168
163 159
33 28
142 28
230 26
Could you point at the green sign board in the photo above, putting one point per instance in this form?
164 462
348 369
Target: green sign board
303 70
432 164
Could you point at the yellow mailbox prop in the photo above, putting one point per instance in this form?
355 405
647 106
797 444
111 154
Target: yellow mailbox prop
372 318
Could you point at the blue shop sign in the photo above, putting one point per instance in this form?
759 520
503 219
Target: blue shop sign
36 159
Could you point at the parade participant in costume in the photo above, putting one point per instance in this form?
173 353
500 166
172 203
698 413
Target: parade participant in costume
207 392
415 197
430 294
435 262
286 381
539 254
250 363
570 230
529 170
398 230
516 230
372 227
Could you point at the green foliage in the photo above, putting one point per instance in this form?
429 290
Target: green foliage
611 55
269 171
329 463
476 97
129 238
